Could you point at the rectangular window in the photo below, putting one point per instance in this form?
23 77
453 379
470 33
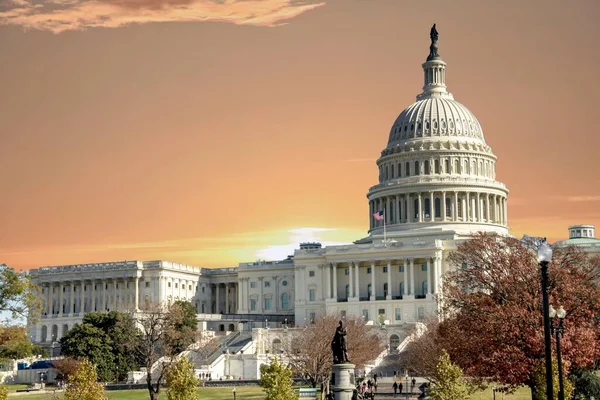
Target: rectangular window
177 286
311 273
267 303
368 270
147 284
365 314
267 284
384 270
253 304
424 267
398 313
311 295
312 317
401 268
252 285
169 285
189 287
347 271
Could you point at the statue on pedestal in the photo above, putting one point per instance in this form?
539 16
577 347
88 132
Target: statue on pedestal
433 49
338 345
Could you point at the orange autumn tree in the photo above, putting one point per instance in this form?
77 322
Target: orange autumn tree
492 308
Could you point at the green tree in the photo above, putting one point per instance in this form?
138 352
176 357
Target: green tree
586 384
183 325
450 384
539 376
83 384
3 393
19 297
86 342
14 343
124 338
276 381
181 380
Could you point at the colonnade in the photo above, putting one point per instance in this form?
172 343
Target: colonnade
230 305
89 295
409 290
444 206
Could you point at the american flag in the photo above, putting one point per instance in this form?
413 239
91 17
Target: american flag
378 215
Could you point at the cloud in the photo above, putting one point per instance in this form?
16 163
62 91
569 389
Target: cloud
581 199
67 15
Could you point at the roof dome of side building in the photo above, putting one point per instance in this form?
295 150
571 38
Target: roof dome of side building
582 236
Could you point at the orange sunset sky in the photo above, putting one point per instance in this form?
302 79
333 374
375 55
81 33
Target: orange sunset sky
216 132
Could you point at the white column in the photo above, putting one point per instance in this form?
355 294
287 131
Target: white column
373 291
389 280
104 284
328 280
335 287
405 278
137 293
467 208
217 308
93 301
60 299
412 276
487 207
356 280
505 211
122 295
115 299
261 283
351 281
82 298
397 211
431 207
239 297
409 209
429 280
226 298
48 304
444 211
420 215
438 272
455 210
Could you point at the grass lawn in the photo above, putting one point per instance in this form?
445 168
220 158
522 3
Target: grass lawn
242 393
522 393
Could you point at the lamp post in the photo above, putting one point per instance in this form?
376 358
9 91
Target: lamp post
406 377
559 330
544 258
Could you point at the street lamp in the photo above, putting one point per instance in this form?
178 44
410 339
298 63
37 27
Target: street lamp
559 330
544 258
406 377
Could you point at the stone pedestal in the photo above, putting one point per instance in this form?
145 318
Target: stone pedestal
342 381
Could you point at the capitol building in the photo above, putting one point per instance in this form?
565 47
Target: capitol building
437 185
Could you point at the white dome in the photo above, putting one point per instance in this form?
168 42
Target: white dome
435 117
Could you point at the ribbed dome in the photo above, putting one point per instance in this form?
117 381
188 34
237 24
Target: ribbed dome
441 117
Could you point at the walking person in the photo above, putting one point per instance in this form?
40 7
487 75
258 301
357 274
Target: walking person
395 386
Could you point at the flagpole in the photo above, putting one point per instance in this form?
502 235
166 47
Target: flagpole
384 233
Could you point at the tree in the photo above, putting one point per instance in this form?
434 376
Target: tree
66 368
14 343
184 325
492 297
19 297
159 340
423 353
309 353
83 384
86 342
539 377
120 328
182 382
586 384
3 393
276 381
450 384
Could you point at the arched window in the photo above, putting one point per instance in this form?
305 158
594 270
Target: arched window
437 166
285 301
448 210
393 176
221 328
385 289
202 308
456 167
399 170
394 342
427 208
446 166
427 125
466 169
417 170
407 172
438 208
231 328
347 291
426 167
387 171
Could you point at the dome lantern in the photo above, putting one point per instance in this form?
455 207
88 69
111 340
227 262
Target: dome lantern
434 70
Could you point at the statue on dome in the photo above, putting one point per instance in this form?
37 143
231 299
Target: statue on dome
433 49
338 345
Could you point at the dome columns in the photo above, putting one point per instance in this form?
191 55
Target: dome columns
432 207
